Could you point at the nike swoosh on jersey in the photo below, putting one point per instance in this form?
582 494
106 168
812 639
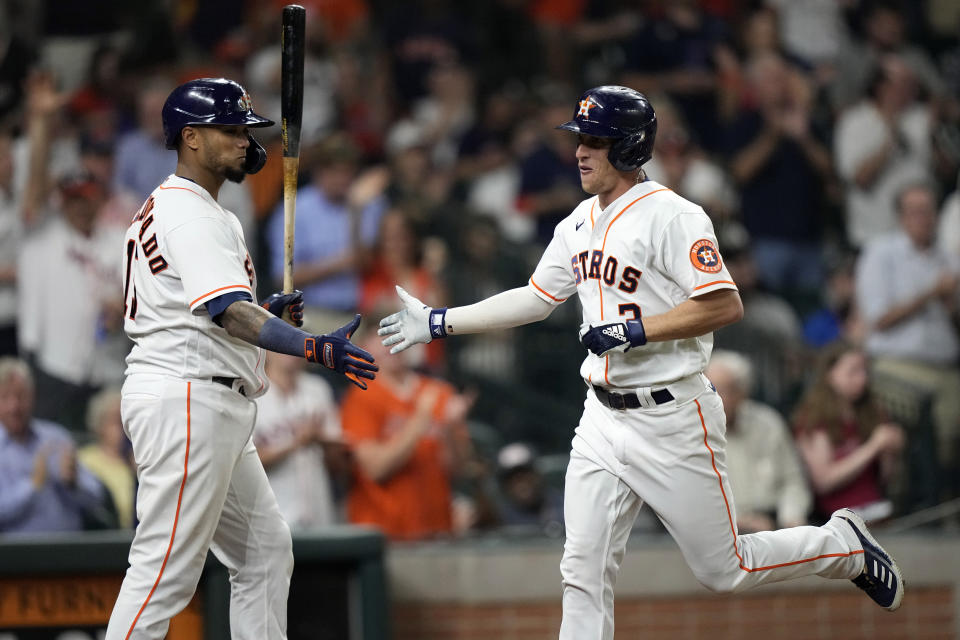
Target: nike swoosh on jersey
580 224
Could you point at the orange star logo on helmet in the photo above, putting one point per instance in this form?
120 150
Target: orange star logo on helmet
585 106
245 103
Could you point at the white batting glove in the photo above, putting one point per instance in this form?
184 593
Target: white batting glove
416 323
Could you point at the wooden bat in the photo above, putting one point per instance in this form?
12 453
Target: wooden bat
291 117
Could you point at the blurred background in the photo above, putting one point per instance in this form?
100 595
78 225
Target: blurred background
821 136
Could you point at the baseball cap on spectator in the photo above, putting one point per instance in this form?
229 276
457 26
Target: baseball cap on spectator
403 136
80 184
515 456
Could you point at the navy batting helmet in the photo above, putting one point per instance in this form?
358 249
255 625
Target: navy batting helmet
622 114
213 101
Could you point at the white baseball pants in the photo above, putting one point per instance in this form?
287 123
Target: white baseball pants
201 487
672 457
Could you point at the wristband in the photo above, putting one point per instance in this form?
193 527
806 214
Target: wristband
638 335
438 322
277 335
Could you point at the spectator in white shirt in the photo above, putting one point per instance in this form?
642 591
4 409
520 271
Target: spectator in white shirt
762 462
70 306
11 235
298 438
908 291
880 146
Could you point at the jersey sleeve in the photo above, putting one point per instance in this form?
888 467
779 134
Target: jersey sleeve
553 279
204 253
690 255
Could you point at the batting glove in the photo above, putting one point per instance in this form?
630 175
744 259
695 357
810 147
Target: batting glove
277 303
416 323
335 351
616 336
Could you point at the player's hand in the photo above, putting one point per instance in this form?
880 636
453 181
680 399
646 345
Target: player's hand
409 326
616 336
335 351
286 306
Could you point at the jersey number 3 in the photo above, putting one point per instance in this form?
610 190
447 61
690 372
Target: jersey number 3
631 308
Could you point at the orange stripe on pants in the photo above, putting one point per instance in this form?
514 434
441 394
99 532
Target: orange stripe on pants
733 529
176 518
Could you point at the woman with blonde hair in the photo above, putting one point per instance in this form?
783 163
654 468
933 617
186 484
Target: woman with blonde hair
109 457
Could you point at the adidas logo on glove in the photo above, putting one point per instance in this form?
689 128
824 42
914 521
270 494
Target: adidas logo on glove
615 331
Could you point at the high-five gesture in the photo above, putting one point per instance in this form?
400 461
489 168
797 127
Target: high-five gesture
335 351
416 323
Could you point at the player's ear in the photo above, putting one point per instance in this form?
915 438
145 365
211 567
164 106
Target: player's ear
190 137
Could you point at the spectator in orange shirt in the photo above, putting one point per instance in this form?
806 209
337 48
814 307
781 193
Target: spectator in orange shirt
398 259
409 435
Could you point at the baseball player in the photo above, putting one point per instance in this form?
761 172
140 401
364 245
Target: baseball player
195 368
653 286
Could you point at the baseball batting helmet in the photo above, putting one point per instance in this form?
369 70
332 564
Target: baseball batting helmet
213 101
620 113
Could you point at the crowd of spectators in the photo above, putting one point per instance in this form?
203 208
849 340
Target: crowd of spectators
823 138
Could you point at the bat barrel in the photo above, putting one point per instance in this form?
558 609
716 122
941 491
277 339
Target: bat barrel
292 43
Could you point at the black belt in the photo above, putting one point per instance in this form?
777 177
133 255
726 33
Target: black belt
228 383
616 400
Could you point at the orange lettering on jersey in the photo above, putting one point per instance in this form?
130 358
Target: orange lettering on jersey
705 257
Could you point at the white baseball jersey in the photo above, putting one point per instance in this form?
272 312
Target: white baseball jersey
644 254
181 251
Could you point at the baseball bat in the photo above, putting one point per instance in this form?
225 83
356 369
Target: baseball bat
291 117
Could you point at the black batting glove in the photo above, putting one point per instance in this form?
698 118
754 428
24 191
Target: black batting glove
335 351
277 303
616 336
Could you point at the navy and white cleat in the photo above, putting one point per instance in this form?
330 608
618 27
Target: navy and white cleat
881 578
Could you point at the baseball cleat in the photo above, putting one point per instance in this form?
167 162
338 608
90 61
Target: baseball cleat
881 578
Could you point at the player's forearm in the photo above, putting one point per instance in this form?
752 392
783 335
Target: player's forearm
502 311
695 317
244 320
